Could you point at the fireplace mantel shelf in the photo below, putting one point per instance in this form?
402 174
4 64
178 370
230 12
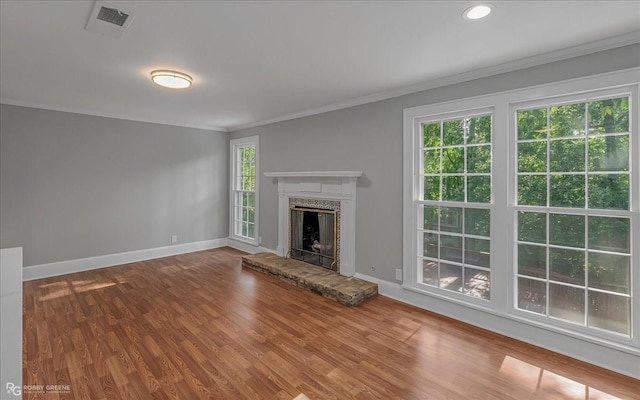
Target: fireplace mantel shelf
314 174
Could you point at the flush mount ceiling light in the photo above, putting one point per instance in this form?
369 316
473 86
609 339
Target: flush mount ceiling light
171 79
477 11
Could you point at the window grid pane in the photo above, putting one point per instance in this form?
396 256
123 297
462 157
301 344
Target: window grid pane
244 189
455 242
586 148
574 266
456 249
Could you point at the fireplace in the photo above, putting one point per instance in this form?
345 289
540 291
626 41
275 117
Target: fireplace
313 235
305 201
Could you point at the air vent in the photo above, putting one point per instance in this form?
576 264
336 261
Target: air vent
107 20
112 15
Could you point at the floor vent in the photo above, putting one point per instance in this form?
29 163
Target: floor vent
108 20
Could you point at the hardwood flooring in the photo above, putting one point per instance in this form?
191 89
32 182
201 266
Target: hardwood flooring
199 326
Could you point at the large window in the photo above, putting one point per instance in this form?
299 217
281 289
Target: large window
573 217
454 204
526 205
244 189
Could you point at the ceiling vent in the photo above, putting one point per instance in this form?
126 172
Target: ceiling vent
108 20
112 15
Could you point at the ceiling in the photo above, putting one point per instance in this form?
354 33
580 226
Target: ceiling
264 61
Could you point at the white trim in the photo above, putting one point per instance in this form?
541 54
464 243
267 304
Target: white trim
321 185
545 317
610 80
528 62
369 279
315 174
110 260
79 110
618 358
248 248
11 310
578 342
249 141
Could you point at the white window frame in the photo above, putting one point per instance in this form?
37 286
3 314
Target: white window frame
633 141
234 146
417 204
503 269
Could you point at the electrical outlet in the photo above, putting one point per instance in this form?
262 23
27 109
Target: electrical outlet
398 274
174 238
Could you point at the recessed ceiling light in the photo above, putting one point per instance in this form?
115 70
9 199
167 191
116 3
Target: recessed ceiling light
478 11
171 79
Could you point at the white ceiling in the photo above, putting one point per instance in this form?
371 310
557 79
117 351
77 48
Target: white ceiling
255 62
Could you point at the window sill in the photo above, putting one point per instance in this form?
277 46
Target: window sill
626 346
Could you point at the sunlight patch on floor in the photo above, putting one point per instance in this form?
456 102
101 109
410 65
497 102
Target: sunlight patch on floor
541 380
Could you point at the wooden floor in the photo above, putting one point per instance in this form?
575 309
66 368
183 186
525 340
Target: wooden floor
199 326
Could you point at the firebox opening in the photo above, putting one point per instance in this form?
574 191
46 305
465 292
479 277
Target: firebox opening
313 236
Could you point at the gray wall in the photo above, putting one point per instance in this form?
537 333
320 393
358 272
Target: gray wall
368 138
75 186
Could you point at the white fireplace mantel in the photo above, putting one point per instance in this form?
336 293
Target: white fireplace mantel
315 174
321 185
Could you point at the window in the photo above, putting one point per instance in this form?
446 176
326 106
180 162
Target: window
573 243
525 206
244 190
453 207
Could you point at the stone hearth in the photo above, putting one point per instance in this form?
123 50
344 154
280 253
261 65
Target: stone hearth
345 290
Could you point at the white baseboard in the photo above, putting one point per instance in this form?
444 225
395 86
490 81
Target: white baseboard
248 248
109 260
622 360
368 279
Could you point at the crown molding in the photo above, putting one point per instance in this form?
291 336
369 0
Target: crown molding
77 110
527 62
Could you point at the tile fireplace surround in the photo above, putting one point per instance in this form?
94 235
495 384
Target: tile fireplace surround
322 187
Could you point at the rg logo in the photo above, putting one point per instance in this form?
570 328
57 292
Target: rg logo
13 389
